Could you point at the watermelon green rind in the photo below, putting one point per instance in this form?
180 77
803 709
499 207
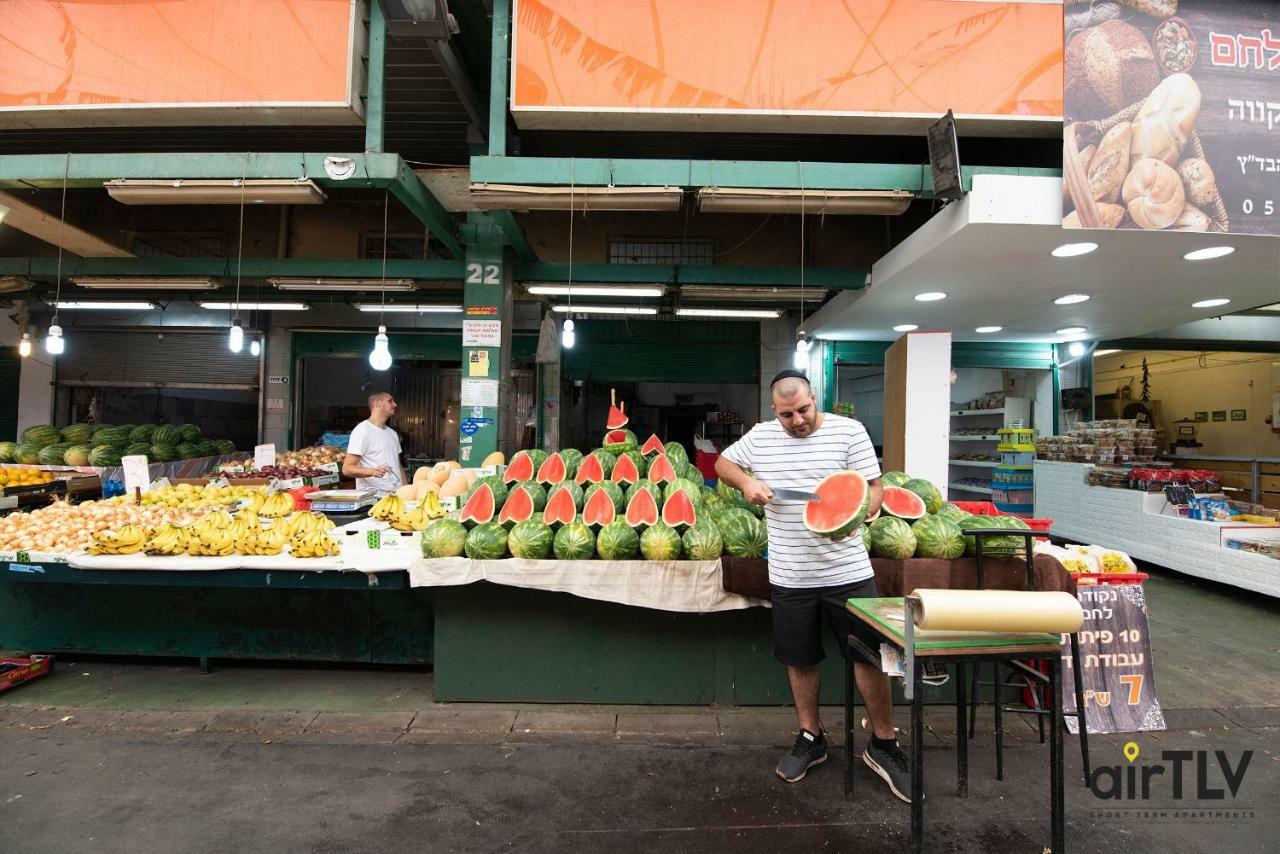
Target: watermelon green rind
41 435
952 512
143 433
190 433
928 493
937 537
226 446
620 441
188 450
572 459
891 537
496 485
530 539
574 490
827 517
77 455
77 434
26 452
903 503
574 541
649 487
444 538
8 451
163 453
136 448
536 491
660 542
703 541
166 434
104 456
744 535
51 455
894 478
618 541
676 453
486 542
616 495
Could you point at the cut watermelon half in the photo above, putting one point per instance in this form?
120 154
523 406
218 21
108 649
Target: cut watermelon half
617 416
625 471
553 470
520 468
653 445
517 508
903 503
560 509
599 510
661 470
591 470
679 510
845 498
642 509
480 507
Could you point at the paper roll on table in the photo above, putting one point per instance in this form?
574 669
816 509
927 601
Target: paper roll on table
996 611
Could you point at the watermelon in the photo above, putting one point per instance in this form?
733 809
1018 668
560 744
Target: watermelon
487 541
163 453
730 494
188 451
108 435
592 470
688 487
190 433
626 471
928 493
619 441
226 446
642 508
51 455
104 456
938 537
480 508
675 452
991 545
561 507
728 514
41 435
661 470
572 459
894 478
744 535
599 509
8 451
495 483
444 538
77 434
143 433
846 498
652 446
135 449
574 541
210 448
902 503
166 434
77 455
952 512
614 491
26 452
679 511
890 537
618 541
703 541
660 542
617 418
572 488
530 539
536 492
517 508
554 470
651 488
521 468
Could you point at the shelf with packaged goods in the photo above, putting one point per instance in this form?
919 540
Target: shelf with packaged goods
972 438
962 487
985 464
964 412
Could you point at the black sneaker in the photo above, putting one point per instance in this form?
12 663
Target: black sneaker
891 765
808 751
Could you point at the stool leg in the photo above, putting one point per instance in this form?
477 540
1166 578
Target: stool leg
973 697
1077 676
1057 786
1037 702
850 694
917 760
999 712
962 744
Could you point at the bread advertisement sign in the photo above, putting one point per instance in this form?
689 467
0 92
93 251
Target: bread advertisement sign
1172 115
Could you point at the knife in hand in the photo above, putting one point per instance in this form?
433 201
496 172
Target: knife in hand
794 495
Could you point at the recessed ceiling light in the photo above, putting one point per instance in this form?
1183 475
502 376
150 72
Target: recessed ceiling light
905 327
1210 303
1071 250
1210 252
1071 330
1071 299
1104 352
988 329
930 296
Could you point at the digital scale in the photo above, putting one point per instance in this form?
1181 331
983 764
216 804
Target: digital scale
340 500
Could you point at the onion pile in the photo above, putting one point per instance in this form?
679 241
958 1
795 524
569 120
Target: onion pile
61 528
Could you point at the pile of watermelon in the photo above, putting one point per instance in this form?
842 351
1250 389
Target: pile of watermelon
103 445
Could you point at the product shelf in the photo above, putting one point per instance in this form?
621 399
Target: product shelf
961 487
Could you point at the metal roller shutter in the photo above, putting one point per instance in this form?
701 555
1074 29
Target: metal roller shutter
183 358
665 351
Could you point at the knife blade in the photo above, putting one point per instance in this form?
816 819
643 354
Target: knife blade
795 495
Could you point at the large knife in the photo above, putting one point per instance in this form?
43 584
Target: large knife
794 495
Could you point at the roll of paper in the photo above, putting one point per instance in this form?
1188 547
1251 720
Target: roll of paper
996 611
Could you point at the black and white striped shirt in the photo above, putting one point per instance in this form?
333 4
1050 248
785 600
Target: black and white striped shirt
798 558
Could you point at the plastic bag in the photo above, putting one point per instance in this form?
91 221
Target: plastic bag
1073 559
1112 560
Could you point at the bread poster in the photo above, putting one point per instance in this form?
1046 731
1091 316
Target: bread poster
1172 115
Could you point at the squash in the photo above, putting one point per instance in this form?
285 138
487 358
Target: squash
456 485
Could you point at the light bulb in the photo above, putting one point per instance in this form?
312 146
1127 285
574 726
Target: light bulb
802 345
235 340
53 342
567 337
1076 349
800 361
24 346
380 357
255 349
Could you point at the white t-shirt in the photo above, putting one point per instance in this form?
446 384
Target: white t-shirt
798 558
376 446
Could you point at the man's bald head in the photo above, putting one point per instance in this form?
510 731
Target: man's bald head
795 406
378 397
789 387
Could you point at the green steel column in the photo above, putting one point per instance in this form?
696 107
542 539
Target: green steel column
486 341
498 78
374 105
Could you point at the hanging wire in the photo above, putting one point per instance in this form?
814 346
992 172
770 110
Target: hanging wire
800 165
62 222
571 193
386 204
244 174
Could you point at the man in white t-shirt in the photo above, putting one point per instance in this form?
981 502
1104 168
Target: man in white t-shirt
373 454
812 576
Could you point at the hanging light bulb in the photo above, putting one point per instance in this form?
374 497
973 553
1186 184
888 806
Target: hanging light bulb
1076 349
567 337
255 349
53 342
380 357
236 339
24 346
801 359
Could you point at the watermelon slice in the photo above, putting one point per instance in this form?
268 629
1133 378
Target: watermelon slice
625 471
599 510
554 470
679 511
653 445
480 507
590 471
619 441
661 470
520 468
561 509
903 503
617 416
642 509
517 508
845 498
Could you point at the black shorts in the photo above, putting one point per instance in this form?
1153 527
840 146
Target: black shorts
797 616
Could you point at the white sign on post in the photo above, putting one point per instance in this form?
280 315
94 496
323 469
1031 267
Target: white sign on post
480 393
136 473
482 333
264 456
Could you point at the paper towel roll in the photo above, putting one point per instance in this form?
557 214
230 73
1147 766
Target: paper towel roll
997 611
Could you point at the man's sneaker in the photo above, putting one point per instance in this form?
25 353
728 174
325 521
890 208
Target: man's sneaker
808 751
891 765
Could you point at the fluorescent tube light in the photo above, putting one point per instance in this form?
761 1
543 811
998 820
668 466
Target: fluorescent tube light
228 191
729 312
728 293
400 308
254 306
323 283
604 309
520 197
105 306
1209 253
759 200
146 283
598 290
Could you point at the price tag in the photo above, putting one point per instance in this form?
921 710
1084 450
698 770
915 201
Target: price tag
1179 495
159 483
219 483
137 475
264 456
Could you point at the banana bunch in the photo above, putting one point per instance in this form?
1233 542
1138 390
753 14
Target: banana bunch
388 509
313 544
277 505
435 510
211 542
241 529
218 520
264 541
128 540
305 523
168 540
416 519
248 515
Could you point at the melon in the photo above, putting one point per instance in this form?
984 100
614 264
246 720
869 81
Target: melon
902 503
642 509
928 493
521 468
599 509
891 537
626 471
572 488
497 458
8 451
486 542
408 492
894 478
480 508
744 535
619 441
660 542
675 452
470 476
51 455
104 456
644 486
440 473
617 417
77 434
938 538
592 470
845 501
422 475
554 470
561 508
26 452
618 541
444 538
661 470
574 541
679 511
652 446
703 541
454 486
530 539
518 508
41 435
453 464
165 434
572 459
190 433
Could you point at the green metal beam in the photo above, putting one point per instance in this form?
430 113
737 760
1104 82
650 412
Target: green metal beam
415 196
375 101
498 78
514 235
830 278
256 268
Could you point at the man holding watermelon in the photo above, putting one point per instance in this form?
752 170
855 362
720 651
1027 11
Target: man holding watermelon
813 574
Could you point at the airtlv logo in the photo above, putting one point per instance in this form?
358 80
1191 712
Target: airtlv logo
1134 782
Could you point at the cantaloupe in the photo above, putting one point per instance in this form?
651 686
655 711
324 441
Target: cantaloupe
453 464
427 487
408 492
456 485
471 475
497 458
422 475
440 472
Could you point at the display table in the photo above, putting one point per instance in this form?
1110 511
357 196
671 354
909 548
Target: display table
1132 521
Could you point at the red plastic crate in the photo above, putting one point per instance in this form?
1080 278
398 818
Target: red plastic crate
1111 577
978 508
705 463
28 669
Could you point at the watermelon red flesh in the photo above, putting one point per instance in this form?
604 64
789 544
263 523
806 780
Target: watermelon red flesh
661 470
845 499
642 509
599 509
553 470
517 508
653 445
617 419
560 509
591 470
679 510
479 507
903 503
521 468
625 471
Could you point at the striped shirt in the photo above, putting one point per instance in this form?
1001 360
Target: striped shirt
798 558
